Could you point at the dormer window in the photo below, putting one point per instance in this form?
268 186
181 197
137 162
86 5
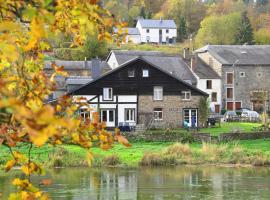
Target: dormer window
131 73
107 94
145 73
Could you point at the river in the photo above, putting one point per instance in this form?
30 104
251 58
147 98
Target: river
183 182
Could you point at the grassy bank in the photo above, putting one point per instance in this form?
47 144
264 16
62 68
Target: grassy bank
253 152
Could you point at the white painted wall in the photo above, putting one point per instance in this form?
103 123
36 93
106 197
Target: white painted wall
127 98
112 62
121 112
136 39
154 34
216 87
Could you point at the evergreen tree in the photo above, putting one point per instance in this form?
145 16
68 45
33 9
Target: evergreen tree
244 33
182 28
142 13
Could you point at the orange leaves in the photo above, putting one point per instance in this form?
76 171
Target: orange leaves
121 139
9 165
46 182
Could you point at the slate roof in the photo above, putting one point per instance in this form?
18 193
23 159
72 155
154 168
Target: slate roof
204 71
134 60
133 31
174 65
246 54
154 23
75 65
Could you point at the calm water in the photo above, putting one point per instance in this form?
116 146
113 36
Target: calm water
154 183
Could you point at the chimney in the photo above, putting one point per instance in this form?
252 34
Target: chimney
186 53
193 62
85 63
160 19
96 68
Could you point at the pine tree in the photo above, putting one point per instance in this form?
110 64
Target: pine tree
244 33
182 28
142 13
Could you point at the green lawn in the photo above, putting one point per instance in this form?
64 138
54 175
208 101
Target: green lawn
228 127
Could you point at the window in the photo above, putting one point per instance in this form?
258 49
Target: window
229 93
242 74
229 105
259 74
145 73
84 113
147 39
131 73
229 78
107 93
147 31
214 97
158 93
158 114
186 95
167 30
238 105
208 84
130 114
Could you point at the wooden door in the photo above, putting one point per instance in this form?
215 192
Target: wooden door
217 108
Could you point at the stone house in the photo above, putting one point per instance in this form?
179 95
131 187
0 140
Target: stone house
244 74
139 91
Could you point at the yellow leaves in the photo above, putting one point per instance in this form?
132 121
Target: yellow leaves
89 158
121 139
9 165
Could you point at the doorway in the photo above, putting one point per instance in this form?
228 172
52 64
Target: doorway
108 116
160 36
191 117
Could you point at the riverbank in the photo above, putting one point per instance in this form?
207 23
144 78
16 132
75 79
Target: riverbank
249 152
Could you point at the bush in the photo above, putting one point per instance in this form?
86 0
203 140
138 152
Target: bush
69 53
111 160
178 149
157 159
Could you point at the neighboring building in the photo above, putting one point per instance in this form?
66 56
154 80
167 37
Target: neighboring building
244 72
133 35
79 73
157 31
138 92
174 65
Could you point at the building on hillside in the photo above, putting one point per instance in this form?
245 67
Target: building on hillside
174 65
157 31
79 73
140 92
244 72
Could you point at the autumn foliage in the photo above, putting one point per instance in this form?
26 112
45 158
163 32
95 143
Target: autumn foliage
24 88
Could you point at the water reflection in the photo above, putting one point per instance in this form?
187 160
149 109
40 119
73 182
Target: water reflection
154 183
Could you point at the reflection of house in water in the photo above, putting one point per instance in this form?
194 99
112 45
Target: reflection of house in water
115 185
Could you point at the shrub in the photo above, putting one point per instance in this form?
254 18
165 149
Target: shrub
111 160
157 159
213 152
178 149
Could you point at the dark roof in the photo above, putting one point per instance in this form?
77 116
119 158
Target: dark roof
245 54
133 31
142 58
75 65
172 64
157 23
204 71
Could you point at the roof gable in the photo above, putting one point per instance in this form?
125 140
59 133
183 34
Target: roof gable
137 59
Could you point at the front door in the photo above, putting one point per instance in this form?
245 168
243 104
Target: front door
160 36
190 117
108 116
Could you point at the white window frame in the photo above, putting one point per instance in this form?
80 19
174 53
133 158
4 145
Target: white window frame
167 31
130 112
156 114
186 94
131 73
227 73
158 93
107 94
85 113
145 73
211 84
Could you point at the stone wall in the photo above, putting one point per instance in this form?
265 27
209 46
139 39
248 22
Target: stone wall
172 108
243 136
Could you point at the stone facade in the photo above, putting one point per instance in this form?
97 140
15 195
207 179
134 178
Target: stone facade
212 62
247 79
172 107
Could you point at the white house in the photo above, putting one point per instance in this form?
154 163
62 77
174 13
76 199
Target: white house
157 31
208 81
